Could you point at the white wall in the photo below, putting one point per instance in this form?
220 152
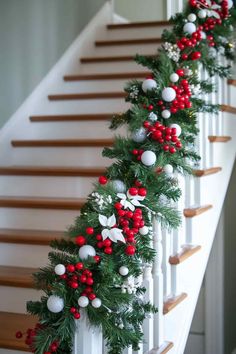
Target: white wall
139 10
33 36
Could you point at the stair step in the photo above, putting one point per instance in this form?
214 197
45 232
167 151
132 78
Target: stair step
207 171
163 349
113 26
102 43
14 322
104 59
232 82
42 203
186 252
219 139
72 117
57 171
195 211
172 302
109 76
29 237
20 277
228 108
63 143
87 96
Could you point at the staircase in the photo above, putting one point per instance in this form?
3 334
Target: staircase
51 154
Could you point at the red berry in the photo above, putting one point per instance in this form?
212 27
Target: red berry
180 72
89 230
160 103
97 258
100 244
80 240
107 243
133 191
166 147
70 268
89 281
146 124
92 297
121 212
137 183
184 56
73 310
118 206
99 237
196 55
173 110
102 179
150 107
178 145
130 250
77 315
19 334
129 214
156 135
135 152
83 278
108 250
142 192
79 266
88 290
74 285
172 150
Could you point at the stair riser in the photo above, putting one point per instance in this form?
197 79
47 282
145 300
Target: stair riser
140 32
38 219
58 157
23 255
46 186
6 351
92 86
108 67
127 49
9 295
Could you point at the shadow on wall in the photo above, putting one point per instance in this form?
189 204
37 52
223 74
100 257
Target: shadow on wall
33 35
139 10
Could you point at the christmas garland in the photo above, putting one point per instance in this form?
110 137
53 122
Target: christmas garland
97 271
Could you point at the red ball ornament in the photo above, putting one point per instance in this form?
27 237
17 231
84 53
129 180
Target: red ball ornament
80 240
83 278
89 281
108 250
172 150
180 72
89 230
79 266
142 192
107 243
70 268
92 297
102 179
133 191
196 55
130 250
74 285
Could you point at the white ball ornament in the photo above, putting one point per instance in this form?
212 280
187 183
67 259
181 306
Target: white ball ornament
123 271
189 28
118 186
60 269
165 114
152 116
168 169
168 94
55 304
148 158
203 35
149 85
230 4
139 135
83 301
202 14
96 303
192 17
174 77
143 230
86 251
177 127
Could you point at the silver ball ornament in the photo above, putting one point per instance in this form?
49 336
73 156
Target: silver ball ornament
152 117
83 301
189 28
168 94
139 135
118 186
60 269
148 158
86 251
123 271
149 85
55 304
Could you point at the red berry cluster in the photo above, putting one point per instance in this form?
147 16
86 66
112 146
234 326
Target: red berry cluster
223 12
165 136
183 94
106 244
137 153
81 240
191 42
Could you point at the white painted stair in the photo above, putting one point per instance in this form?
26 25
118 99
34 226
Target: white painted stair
51 154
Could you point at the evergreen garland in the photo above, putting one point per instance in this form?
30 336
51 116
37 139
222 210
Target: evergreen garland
101 261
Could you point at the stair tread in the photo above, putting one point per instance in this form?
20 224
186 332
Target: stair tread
228 108
30 237
41 203
87 96
137 24
111 42
172 302
51 171
14 322
186 252
206 171
102 59
194 211
72 117
232 82
107 76
17 276
63 143
219 138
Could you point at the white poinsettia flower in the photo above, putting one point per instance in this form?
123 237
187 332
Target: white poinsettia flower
111 232
130 201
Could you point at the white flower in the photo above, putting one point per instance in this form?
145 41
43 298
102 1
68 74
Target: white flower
113 233
130 201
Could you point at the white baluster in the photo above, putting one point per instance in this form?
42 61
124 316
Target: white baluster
158 285
166 242
148 326
87 339
128 351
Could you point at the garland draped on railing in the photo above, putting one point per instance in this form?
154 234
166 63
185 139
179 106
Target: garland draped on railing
97 269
